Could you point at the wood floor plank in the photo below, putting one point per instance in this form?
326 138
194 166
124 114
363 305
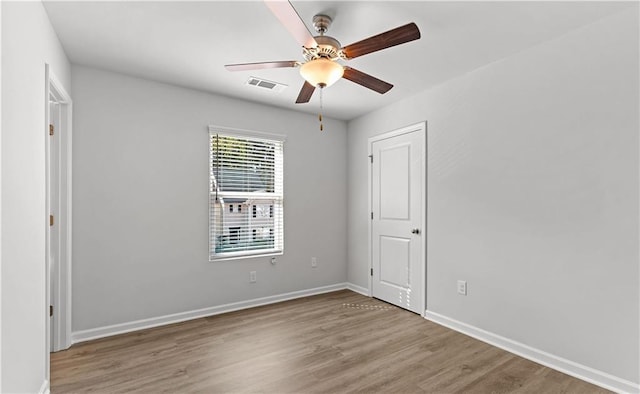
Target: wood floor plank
340 342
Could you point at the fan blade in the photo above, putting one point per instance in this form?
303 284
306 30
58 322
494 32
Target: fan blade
397 36
260 66
366 80
288 16
305 93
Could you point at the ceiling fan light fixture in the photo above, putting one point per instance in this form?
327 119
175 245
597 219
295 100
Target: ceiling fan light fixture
321 72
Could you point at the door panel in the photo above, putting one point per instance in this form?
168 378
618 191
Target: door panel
398 249
397 187
394 185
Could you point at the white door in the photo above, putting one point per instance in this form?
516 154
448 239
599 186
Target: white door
58 205
398 203
52 195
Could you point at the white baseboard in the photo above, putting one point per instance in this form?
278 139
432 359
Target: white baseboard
101 332
569 367
44 389
358 289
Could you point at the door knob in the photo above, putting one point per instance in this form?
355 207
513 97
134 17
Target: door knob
415 231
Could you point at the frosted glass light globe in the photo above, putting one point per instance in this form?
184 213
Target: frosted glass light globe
321 72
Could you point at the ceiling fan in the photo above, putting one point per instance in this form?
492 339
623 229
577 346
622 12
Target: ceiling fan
321 53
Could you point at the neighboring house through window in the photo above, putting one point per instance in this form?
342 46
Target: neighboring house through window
246 174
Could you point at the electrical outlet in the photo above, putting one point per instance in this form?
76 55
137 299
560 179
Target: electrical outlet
314 262
252 276
462 287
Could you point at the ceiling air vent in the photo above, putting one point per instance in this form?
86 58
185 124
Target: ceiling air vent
264 84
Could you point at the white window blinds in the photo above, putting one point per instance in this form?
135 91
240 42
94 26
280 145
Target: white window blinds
245 194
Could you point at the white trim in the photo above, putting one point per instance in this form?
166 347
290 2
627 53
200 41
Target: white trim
1 94
240 255
358 289
588 374
419 127
62 297
369 219
44 389
47 227
246 133
101 332
67 236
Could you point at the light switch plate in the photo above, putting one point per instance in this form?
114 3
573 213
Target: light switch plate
462 287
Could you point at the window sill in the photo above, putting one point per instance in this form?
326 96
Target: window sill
242 256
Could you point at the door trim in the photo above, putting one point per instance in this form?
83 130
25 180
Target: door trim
420 127
61 298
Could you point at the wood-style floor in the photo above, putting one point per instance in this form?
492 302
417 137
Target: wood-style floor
338 342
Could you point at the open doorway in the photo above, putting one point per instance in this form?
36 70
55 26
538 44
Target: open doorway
58 107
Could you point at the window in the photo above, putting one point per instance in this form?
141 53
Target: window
245 169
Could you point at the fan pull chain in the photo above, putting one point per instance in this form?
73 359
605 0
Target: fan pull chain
320 114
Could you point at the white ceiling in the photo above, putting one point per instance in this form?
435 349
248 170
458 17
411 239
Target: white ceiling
188 43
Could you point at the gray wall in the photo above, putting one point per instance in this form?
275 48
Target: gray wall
28 42
140 195
532 195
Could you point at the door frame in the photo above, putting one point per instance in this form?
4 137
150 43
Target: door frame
420 127
61 278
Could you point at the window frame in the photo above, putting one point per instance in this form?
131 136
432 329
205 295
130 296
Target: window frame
276 195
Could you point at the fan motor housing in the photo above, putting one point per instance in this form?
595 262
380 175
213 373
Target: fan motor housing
328 47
